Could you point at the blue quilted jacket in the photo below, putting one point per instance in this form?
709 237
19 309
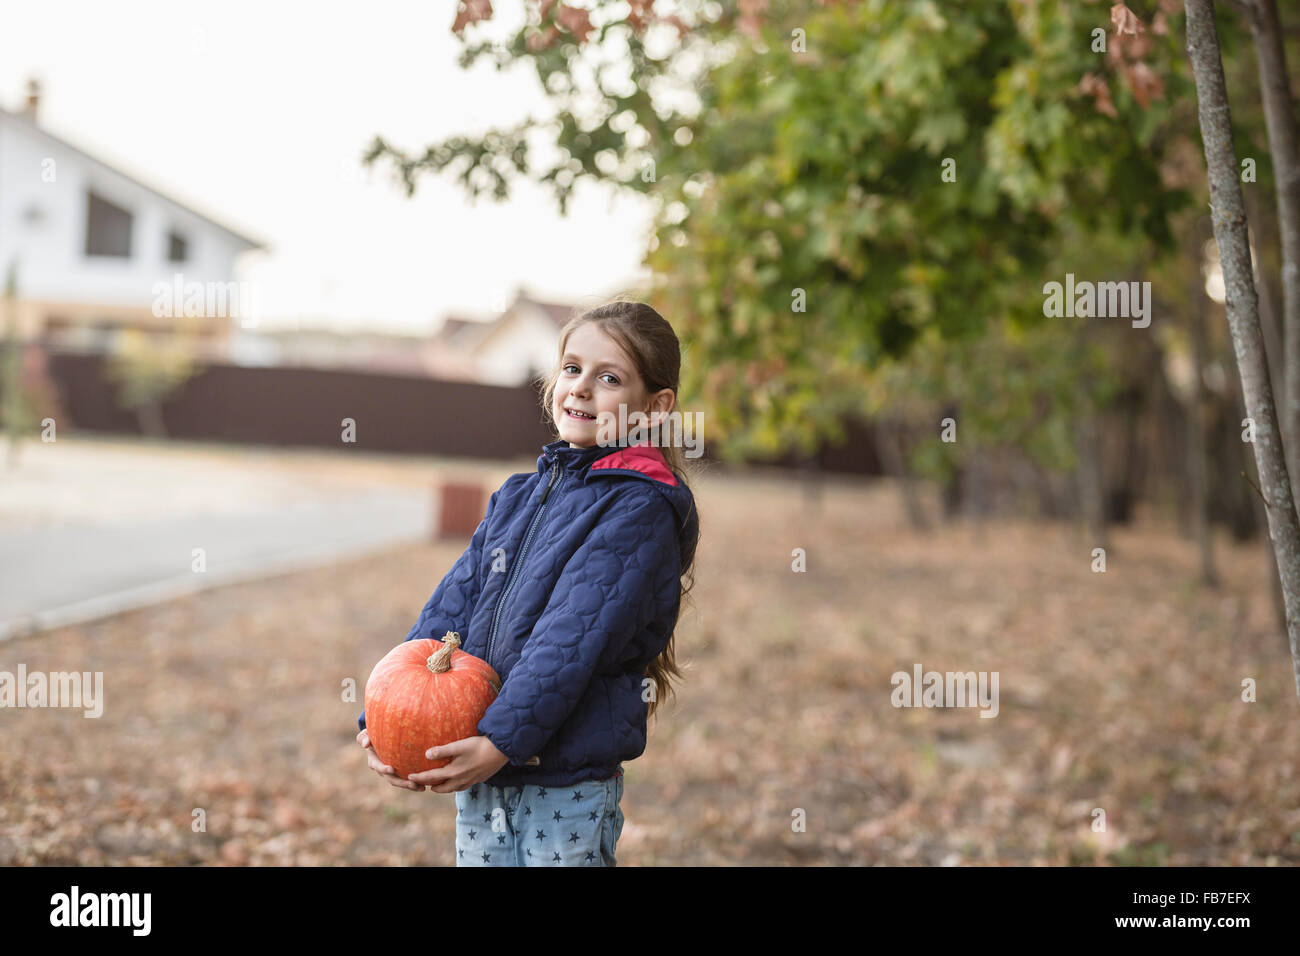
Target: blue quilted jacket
569 588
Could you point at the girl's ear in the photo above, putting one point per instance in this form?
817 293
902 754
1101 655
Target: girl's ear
662 403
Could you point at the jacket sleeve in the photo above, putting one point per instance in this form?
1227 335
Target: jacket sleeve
604 597
452 602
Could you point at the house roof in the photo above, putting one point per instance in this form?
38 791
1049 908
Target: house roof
469 334
27 123
463 333
557 312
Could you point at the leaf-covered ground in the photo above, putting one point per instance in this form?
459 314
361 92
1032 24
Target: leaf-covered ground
1119 691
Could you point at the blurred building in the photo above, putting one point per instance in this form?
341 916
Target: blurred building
511 349
323 347
95 251
90 247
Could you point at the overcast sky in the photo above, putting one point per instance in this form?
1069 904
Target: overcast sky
256 113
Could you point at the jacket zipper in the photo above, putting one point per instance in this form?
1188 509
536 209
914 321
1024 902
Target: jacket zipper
519 563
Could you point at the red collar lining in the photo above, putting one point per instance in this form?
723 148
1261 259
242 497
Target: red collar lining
643 458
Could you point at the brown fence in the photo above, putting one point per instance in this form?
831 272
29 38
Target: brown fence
394 413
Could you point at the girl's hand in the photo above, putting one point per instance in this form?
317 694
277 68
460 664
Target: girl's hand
381 768
473 760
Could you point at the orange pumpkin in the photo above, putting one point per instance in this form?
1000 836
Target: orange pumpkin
423 694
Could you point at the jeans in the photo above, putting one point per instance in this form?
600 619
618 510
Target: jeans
539 826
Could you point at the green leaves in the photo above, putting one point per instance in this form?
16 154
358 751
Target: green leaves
907 174
885 249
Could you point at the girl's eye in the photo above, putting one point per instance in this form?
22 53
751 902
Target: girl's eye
610 374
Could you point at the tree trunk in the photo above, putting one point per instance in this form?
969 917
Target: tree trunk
1253 504
11 369
892 454
1050 505
1275 587
1284 148
811 480
954 489
1232 500
149 415
1196 441
1122 497
1091 494
954 486
1230 233
1170 440
1270 313
1091 473
978 503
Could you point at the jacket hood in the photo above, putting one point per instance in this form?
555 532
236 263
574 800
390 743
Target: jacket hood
643 461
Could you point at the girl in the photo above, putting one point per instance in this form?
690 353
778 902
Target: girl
570 588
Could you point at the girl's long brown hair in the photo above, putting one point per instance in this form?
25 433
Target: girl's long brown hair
651 343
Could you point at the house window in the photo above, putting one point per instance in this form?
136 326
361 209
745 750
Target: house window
176 247
108 228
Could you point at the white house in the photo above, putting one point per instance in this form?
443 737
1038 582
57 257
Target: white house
511 349
90 244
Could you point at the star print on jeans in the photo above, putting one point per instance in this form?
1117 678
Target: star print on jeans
509 840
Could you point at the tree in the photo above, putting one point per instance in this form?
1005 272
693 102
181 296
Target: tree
149 369
16 401
1230 233
1284 148
832 179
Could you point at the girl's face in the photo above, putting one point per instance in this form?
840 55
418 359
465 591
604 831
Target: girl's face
597 376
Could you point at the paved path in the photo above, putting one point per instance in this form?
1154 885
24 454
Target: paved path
73 573
94 527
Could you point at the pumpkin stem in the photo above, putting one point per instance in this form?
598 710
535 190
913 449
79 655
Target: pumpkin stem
440 660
